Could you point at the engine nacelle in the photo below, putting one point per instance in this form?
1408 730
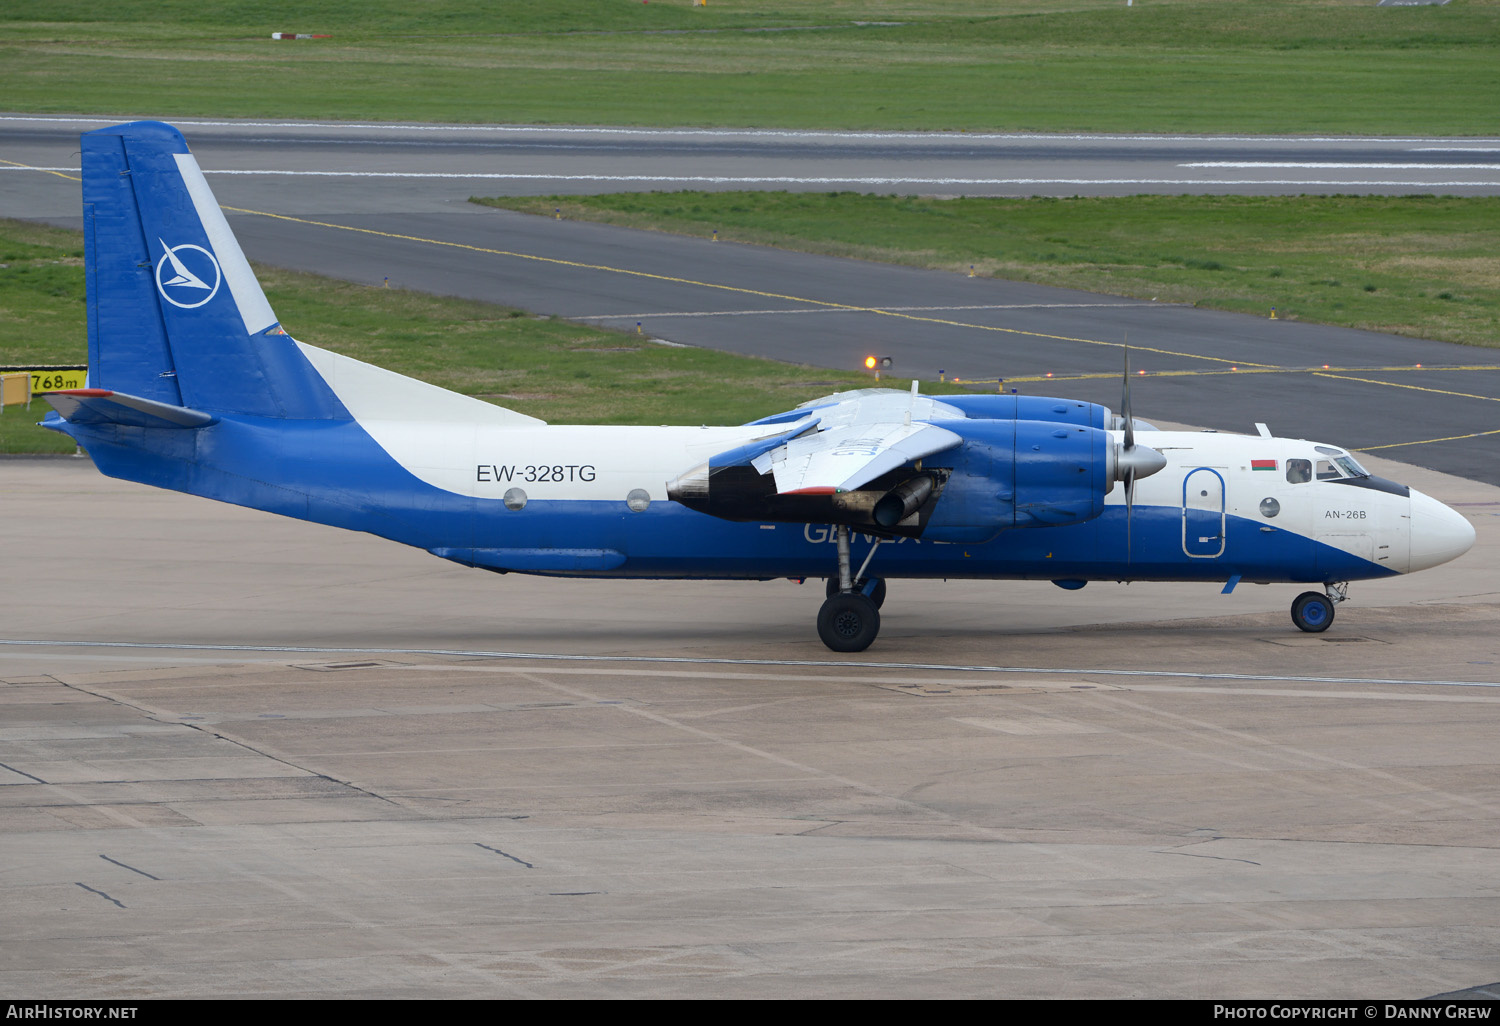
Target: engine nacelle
1020 474
1032 407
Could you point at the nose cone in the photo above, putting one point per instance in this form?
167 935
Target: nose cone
1438 533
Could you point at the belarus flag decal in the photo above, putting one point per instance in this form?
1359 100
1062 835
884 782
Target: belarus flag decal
1262 464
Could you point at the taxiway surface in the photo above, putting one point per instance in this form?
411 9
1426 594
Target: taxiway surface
244 756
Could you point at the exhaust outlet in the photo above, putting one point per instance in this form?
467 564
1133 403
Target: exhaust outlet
902 501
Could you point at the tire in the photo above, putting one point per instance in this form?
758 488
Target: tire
877 594
1312 612
848 623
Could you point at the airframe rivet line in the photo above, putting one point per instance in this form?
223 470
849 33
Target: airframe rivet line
738 289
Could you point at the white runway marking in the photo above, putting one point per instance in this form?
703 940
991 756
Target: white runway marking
939 667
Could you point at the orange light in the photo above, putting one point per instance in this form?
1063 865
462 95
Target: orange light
1049 374
1234 368
870 363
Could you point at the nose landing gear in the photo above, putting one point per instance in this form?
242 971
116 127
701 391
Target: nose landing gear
1313 613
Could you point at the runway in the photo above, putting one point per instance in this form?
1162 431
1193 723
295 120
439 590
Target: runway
278 758
461 160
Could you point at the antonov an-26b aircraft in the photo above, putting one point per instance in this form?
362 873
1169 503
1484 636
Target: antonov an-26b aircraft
194 385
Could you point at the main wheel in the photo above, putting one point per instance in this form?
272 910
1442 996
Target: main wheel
876 594
848 623
1312 612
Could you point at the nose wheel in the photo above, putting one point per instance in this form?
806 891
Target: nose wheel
1313 613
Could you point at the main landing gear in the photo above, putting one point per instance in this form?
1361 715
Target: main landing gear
850 617
1313 613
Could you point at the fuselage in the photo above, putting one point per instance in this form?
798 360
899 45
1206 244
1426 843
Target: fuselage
591 501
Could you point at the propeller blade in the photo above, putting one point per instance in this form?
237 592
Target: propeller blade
1125 406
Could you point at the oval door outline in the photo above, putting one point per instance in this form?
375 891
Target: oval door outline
1197 547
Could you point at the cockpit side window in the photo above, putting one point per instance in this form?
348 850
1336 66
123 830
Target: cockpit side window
1327 471
1298 471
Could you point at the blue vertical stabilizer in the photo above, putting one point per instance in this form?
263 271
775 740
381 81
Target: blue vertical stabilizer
175 313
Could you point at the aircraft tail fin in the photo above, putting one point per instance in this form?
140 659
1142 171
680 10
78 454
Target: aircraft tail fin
175 314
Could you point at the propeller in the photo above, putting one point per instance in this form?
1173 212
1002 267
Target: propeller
1132 461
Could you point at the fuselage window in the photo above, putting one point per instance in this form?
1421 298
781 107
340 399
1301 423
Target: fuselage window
1298 471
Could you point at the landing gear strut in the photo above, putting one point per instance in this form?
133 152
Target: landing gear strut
850 617
1313 613
871 588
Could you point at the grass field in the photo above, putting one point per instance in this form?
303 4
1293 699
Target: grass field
1427 266
551 369
1333 66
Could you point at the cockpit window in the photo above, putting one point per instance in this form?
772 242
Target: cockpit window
1298 471
1337 465
1350 466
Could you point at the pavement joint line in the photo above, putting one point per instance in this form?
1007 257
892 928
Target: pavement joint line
899 309
12 165
1429 441
724 661
736 288
1397 384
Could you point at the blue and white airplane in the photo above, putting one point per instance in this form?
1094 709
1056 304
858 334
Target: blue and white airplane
195 386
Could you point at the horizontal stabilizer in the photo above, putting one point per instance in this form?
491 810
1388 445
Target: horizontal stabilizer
101 406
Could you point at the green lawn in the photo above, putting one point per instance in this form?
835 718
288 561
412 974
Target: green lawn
1336 66
551 369
1427 266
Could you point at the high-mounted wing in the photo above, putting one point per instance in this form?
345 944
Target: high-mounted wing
857 439
818 468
